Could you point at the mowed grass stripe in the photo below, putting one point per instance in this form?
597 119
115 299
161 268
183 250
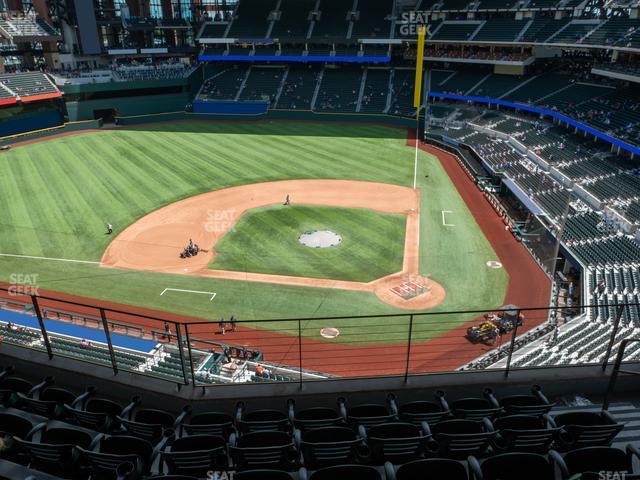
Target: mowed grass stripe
161 165
25 231
224 168
142 175
39 206
48 204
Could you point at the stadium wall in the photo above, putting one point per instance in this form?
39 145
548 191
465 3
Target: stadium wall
127 106
19 119
270 115
46 132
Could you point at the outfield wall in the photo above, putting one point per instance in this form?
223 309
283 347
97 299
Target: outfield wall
47 132
127 106
305 115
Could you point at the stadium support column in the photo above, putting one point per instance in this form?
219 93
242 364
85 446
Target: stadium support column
417 97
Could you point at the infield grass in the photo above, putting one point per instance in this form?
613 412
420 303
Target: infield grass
265 240
57 195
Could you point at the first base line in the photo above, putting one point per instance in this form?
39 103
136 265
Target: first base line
69 260
213 294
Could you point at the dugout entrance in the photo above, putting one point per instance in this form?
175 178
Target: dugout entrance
107 115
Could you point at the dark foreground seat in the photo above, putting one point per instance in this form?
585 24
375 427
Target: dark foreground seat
195 455
512 466
55 452
585 429
524 433
535 404
427 469
342 472
588 463
209 423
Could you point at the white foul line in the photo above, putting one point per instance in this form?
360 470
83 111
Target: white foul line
444 222
213 294
49 258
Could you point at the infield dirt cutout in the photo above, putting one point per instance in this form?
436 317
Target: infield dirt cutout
154 242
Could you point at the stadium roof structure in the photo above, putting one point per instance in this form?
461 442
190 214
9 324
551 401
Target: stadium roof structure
27 29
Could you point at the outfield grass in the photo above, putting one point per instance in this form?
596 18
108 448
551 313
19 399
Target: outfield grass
58 194
265 240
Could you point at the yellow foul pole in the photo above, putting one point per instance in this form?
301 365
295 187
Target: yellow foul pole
417 95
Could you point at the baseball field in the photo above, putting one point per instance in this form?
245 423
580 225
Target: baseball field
224 185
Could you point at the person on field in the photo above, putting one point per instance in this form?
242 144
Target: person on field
222 326
109 229
287 201
233 320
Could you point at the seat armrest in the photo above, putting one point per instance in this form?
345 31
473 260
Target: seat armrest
557 459
38 428
474 468
126 411
393 405
389 471
186 411
96 441
45 382
342 407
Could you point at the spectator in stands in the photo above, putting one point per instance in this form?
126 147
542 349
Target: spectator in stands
167 331
85 344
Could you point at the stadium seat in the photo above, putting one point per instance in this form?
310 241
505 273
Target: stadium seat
427 469
98 414
512 466
315 417
396 442
209 423
195 455
589 463
107 452
327 446
10 386
262 475
12 424
342 472
585 429
366 415
261 420
150 423
55 452
534 404
460 438
421 411
263 449
50 402
472 408
523 433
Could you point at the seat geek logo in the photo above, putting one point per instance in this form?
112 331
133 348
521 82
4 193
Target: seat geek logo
23 284
604 475
411 21
220 475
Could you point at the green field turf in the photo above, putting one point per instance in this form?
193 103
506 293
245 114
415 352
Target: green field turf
57 195
265 240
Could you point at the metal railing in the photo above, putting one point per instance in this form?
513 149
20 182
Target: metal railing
298 350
